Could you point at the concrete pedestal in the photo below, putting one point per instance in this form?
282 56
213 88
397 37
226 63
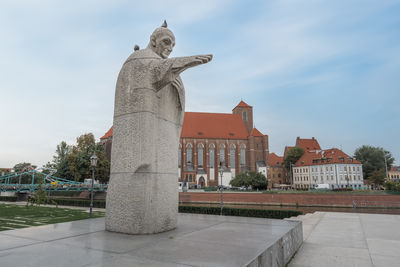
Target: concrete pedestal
199 240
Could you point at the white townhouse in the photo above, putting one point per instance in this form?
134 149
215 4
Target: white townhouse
331 166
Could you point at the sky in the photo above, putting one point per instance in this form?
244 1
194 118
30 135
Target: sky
323 69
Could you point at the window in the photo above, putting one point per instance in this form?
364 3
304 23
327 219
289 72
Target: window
222 153
345 168
179 156
189 153
326 168
244 116
190 178
331 168
354 169
211 158
200 155
232 157
243 155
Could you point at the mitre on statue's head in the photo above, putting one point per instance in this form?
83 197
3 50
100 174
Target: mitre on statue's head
162 31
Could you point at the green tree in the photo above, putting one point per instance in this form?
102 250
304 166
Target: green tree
24 167
79 159
250 178
378 177
373 159
40 196
60 161
292 156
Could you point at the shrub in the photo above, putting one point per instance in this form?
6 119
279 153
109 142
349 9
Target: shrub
79 202
210 188
8 198
275 214
392 186
65 193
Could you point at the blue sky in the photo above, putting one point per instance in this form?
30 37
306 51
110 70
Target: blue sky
324 69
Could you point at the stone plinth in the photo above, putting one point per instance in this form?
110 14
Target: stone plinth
198 240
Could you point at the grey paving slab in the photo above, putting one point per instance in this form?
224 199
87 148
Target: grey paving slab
385 261
199 240
196 253
124 260
9 242
384 247
350 239
57 231
51 254
315 255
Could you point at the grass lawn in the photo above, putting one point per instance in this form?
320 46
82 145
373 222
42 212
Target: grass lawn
14 216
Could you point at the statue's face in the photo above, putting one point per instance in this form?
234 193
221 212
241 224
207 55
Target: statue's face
164 45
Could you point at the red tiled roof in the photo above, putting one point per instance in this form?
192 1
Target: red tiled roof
329 156
308 144
108 134
275 160
213 125
242 104
256 132
395 169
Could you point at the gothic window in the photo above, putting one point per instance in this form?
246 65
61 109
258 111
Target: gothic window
232 156
179 156
200 155
243 155
189 153
211 156
222 153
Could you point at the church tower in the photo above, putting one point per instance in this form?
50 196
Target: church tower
246 112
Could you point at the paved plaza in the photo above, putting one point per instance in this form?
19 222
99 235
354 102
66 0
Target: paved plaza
349 239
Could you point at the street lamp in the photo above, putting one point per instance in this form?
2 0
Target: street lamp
93 162
221 188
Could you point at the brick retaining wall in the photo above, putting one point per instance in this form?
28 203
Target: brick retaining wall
286 199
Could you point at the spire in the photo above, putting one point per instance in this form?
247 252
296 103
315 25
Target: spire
164 25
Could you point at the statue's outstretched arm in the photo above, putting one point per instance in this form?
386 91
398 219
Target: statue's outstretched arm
169 69
180 64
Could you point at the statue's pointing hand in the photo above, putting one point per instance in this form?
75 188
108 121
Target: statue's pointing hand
202 59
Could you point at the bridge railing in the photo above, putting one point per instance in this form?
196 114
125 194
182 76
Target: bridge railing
13 182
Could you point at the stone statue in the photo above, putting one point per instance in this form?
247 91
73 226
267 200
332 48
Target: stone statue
142 196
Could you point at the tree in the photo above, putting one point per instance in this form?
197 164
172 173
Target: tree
292 156
79 159
24 167
60 161
373 159
73 162
250 178
378 177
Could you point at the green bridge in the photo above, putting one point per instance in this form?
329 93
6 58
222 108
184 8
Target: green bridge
29 181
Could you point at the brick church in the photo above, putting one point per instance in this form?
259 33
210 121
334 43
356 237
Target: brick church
213 141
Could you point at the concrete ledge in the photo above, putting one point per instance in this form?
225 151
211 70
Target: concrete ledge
199 240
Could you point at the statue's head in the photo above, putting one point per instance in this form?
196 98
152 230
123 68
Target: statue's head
162 41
